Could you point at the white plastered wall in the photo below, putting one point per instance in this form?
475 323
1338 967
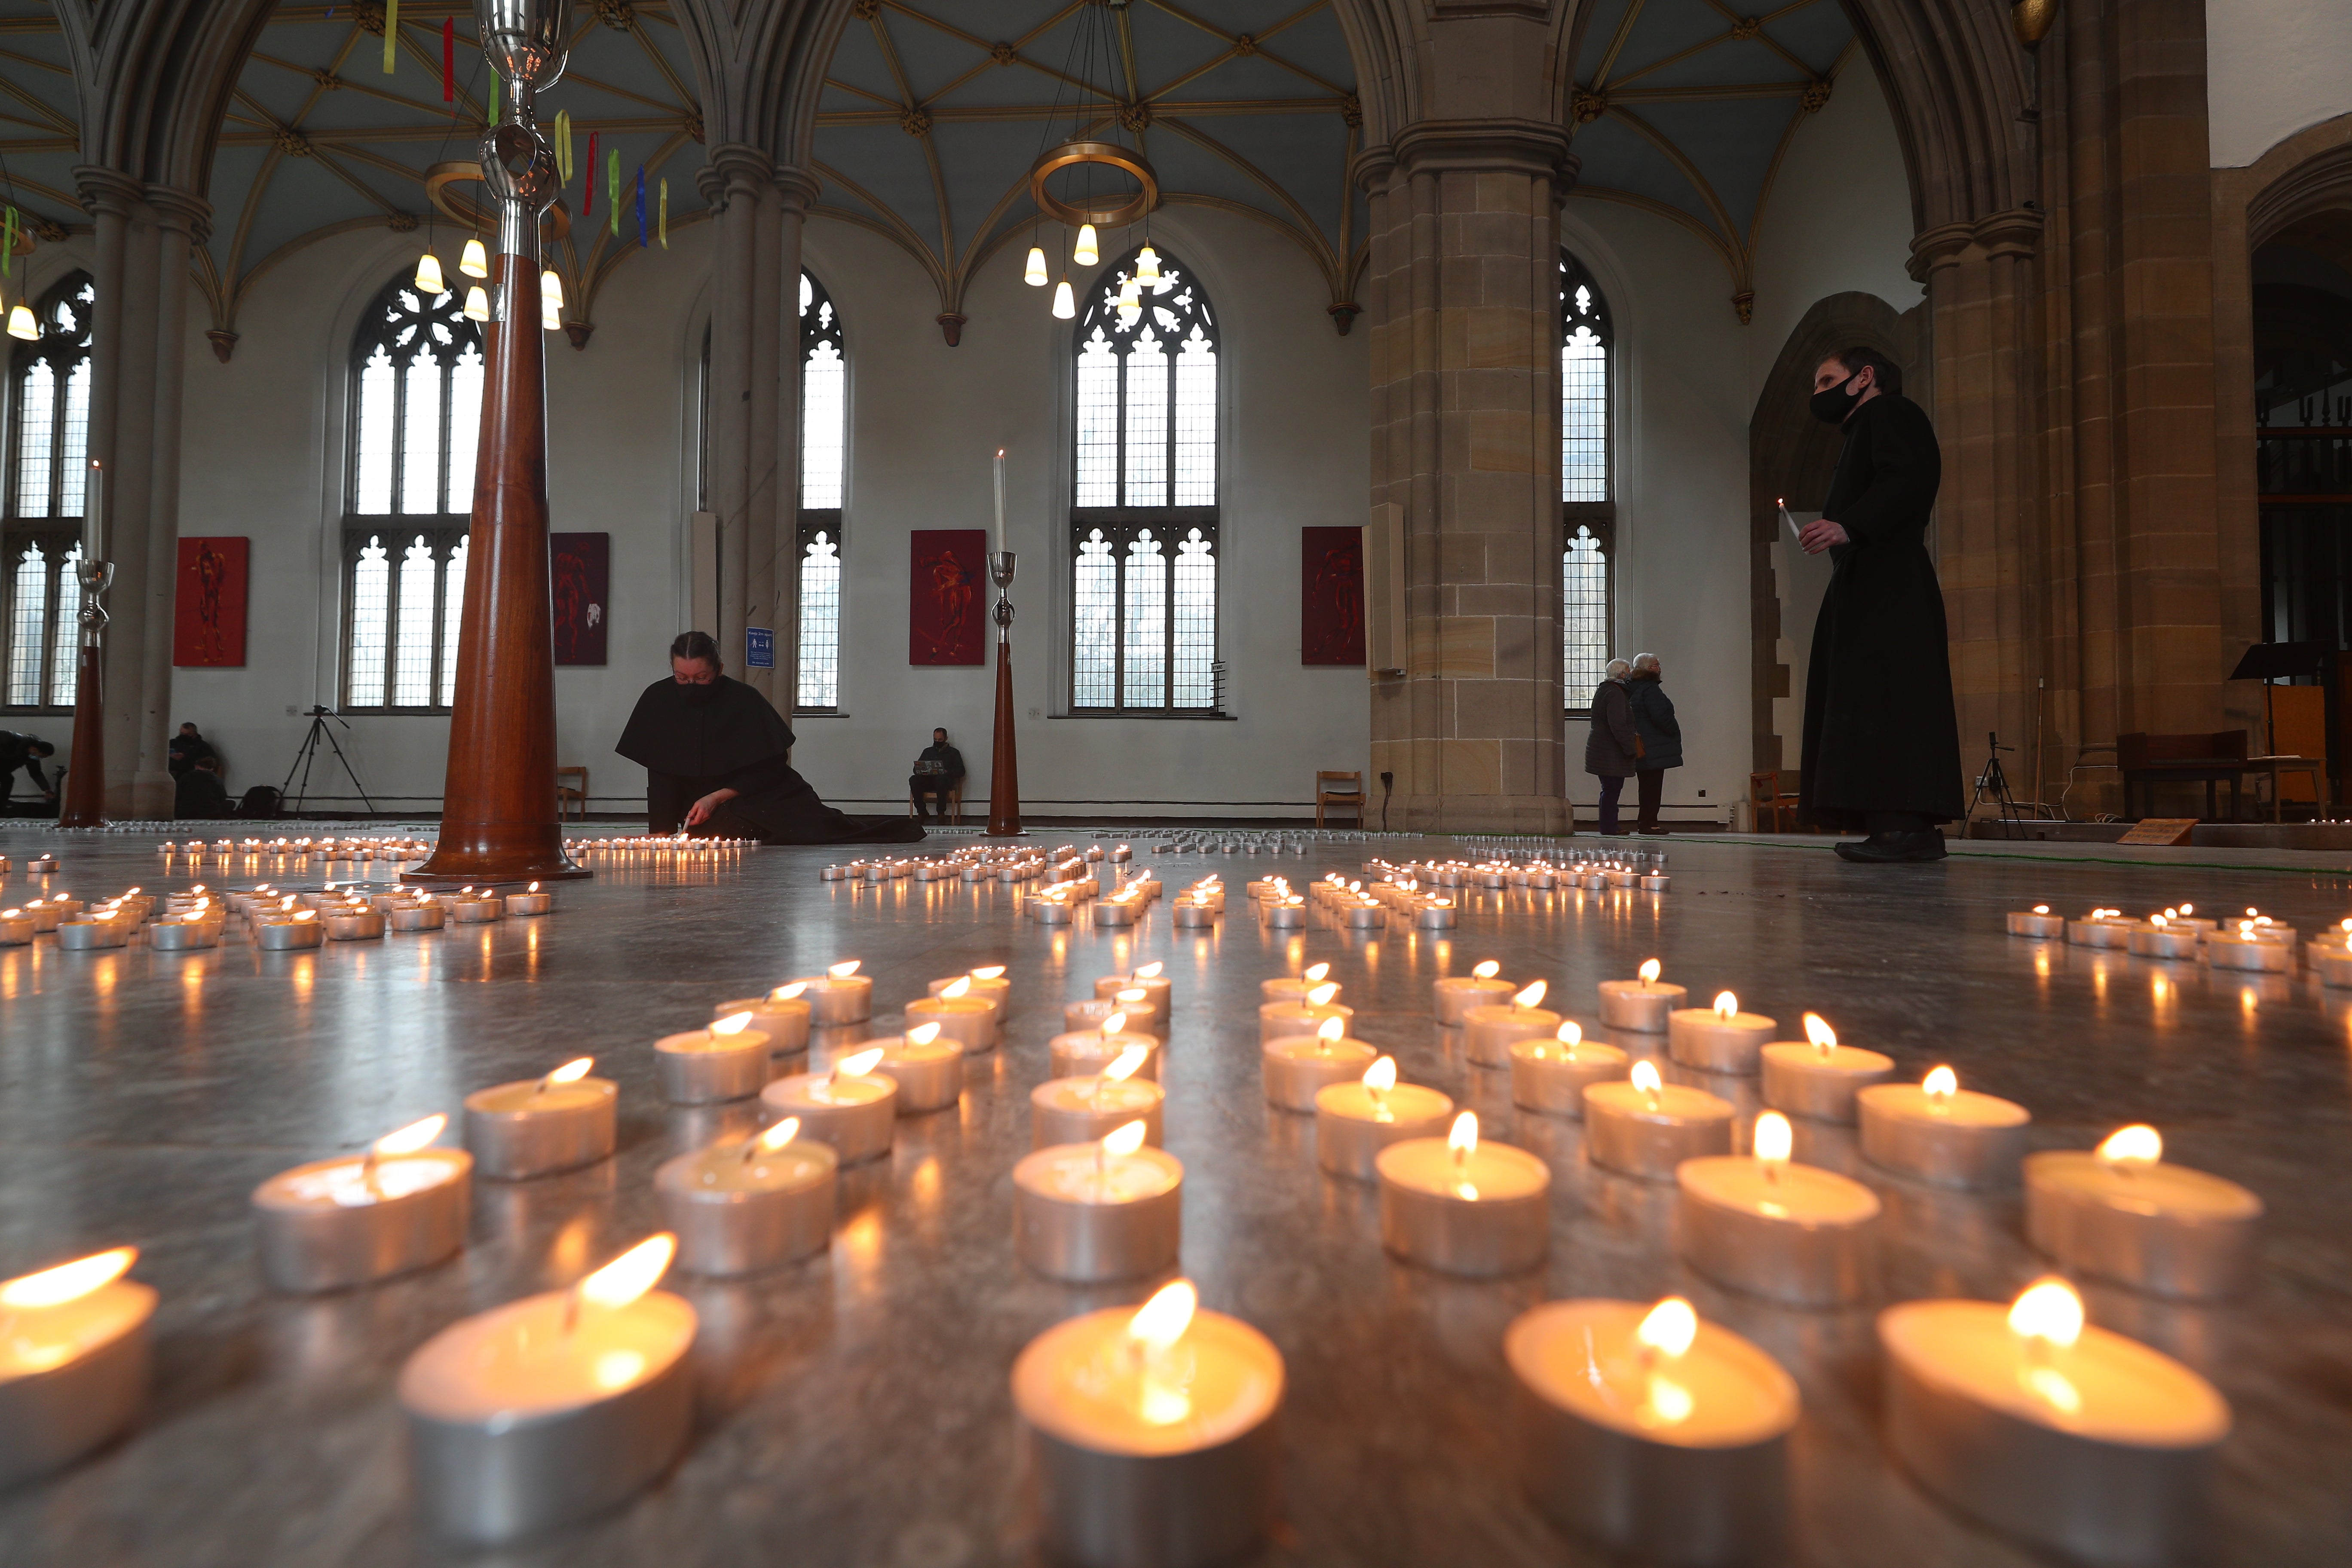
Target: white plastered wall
2273 67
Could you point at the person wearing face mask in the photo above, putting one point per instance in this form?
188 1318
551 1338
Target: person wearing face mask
1882 752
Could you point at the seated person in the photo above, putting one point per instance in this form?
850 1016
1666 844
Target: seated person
937 772
24 752
717 753
188 749
202 793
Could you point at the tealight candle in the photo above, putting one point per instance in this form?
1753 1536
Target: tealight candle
1660 1437
1640 1005
347 1221
1939 1132
1457 994
1295 1070
1489 1033
1285 1020
1719 1039
483 907
987 983
73 1361
1645 1127
1080 1109
530 901
1108 1209
2159 937
1134 1004
2101 928
841 996
425 914
1463 1206
2242 946
17 928
1293 988
1087 1014
1083 1051
554 1407
2065 1436
1151 1434
2037 921
1437 914
743 1207
1150 980
782 1015
1119 910
1354 1121
926 1064
1792 1233
1284 914
2121 1213
968 1020
542 1125
1817 1076
1551 1076
726 1059
81 933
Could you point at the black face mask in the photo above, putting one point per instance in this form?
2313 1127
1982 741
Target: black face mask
1831 405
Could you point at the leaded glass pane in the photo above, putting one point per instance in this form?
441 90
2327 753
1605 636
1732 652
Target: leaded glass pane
65 628
1583 418
412 665
1146 444
73 457
37 416
1196 623
453 614
1144 643
1196 422
420 438
1093 665
371 613
1584 617
1097 424
820 681
465 427
372 489
28 616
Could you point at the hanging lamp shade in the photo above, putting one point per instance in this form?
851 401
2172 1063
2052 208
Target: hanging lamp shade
21 324
429 275
1130 293
550 301
1034 273
1085 253
476 262
1146 265
478 304
1066 304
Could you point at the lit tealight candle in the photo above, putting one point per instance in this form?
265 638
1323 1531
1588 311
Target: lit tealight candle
1658 1435
554 1407
739 1207
1081 1052
1457 994
1551 1076
1645 1127
2121 1213
1080 1109
537 1126
851 1108
1939 1132
73 1361
1149 979
987 981
1642 1004
2037 921
1354 1121
782 1015
2249 944
1295 987
1461 1206
1719 1039
726 1059
1151 1434
1108 1209
2065 1436
17 928
841 995
1295 1070
1489 1033
2158 937
347 1221
530 901
1816 1076
968 1019
1793 1233
926 1064
2100 928
1132 1002
1284 1020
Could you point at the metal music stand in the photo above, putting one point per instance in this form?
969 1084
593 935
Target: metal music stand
2269 661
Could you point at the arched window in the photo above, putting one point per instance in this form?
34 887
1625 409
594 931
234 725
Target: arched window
1588 512
824 427
49 470
416 415
1143 523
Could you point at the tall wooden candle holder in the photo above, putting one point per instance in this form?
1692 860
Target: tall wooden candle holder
1005 767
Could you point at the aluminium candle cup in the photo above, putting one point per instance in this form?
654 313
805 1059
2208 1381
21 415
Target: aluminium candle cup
16 932
1550 1077
2025 922
1157 989
2099 934
994 988
520 1129
418 916
1642 1006
1364 917
1087 1015
969 1021
354 925
1068 1227
848 1000
283 936
45 915
700 1068
1144 1017
1082 1052
1802 1079
82 935
1434 917
1703 1038
1972 1143
1489 1032
1711 1490
1280 1020
1653 881
1430 1216
1298 1068
2259 954
329 1226
1283 917
1624 1132
491 1465
1802 1236
1112 1491
530 903
1114 912
857 1125
1348 1140
2335 967
785 1022
1049 911
1457 994
2121 1483
478 912
1189 916
50 1418
2161 942
1291 988
929 1076
736 1216
1081 1109
2158 1228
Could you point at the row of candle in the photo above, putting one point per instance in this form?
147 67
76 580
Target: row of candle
2251 942
329 849
668 846
268 916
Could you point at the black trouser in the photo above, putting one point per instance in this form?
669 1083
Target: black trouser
936 788
1653 785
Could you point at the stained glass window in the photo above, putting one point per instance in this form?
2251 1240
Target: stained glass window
1144 491
47 476
825 430
1588 510
820 687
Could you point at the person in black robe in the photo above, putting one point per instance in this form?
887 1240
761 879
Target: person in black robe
718 757
201 792
1882 750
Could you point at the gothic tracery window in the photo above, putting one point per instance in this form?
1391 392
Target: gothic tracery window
47 476
1587 503
824 420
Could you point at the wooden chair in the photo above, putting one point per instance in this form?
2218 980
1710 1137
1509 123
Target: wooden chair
1350 796
2149 759
567 796
954 804
1764 795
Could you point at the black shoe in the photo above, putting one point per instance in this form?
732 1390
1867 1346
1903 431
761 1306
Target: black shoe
1894 849
1653 832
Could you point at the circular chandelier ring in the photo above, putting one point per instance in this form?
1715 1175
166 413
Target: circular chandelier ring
554 223
1107 212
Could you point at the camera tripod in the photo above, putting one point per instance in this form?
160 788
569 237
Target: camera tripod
1992 785
308 753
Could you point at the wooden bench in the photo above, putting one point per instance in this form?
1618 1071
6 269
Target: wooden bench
2147 760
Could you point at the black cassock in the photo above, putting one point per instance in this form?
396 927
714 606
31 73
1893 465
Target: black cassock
695 739
1880 732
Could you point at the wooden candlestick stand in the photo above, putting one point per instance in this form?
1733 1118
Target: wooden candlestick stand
1005 767
84 804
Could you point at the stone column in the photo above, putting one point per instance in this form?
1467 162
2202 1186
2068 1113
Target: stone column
1462 296
739 445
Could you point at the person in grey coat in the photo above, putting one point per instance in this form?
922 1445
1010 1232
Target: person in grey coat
1661 733
1613 750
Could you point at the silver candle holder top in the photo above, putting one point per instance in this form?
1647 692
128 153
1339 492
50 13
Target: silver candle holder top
1000 572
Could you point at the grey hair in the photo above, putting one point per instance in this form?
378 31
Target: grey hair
1645 662
1618 667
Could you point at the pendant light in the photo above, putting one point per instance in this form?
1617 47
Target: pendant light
21 324
1130 301
429 275
1065 305
1083 252
550 301
1035 274
476 262
478 304
1147 264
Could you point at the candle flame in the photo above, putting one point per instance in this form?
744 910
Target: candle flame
2047 1309
2137 1144
1124 1141
923 1034
1316 971
2189 909
408 1139
1651 970
2042 909
1463 1141
845 970
533 888
1942 1083
1571 1034
961 986
1113 1023
1381 1077
1646 1080
1727 1005
2158 921
1817 1030
1774 1138
1149 971
1669 1328
68 1281
781 1133
858 1065
572 1071
629 1276
1128 1063
1321 996
1331 1028
1133 993
1532 997
1162 1322
988 972
1487 970
730 1025
790 993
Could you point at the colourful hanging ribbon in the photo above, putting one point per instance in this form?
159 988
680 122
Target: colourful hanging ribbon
613 191
664 212
8 244
641 206
563 146
449 60
390 34
588 186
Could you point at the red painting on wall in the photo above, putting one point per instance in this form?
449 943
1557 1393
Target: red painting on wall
580 576
209 603
1331 603
947 601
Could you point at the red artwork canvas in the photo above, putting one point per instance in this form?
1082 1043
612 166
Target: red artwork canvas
209 603
1331 603
579 575
947 601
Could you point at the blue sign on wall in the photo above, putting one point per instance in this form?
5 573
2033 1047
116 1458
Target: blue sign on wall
758 648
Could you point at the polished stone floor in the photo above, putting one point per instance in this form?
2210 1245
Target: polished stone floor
856 1408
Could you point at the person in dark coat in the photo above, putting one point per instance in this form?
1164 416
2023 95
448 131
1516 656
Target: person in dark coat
937 772
24 752
188 748
717 756
1881 749
1613 749
201 791
1661 733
